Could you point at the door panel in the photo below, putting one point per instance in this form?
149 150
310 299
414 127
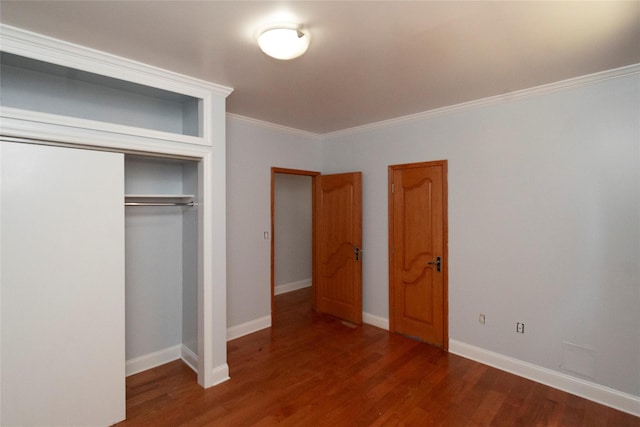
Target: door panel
338 232
417 238
62 256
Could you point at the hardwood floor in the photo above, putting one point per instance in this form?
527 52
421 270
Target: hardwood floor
314 370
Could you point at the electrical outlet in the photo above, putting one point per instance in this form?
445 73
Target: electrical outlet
481 318
520 328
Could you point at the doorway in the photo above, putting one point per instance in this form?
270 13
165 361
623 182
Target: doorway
336 242
418 246
291 231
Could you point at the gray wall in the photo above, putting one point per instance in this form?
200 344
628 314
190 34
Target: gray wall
292 229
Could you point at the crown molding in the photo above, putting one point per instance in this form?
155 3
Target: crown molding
273 126
494 100
44 48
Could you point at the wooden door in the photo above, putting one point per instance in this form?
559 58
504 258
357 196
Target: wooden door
418 251
62 255
338 241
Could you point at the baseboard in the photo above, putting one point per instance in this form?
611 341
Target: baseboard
607 396
376 321
151 360
293 286
189 357
248 327
219 374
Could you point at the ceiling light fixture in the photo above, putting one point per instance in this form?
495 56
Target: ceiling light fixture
284 41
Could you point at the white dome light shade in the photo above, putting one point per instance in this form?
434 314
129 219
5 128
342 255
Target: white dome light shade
284 43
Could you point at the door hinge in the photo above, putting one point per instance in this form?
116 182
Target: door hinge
393 188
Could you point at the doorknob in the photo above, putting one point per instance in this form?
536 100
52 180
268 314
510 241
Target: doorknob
437 263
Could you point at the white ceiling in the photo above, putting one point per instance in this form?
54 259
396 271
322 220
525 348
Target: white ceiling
368 61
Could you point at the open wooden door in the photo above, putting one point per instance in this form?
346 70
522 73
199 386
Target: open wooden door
338 243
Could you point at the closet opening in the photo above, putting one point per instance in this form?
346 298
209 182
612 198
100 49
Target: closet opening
161 261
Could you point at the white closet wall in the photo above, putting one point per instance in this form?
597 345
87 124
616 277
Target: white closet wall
161 262
190 263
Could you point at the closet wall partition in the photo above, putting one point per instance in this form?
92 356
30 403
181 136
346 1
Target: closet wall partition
153 270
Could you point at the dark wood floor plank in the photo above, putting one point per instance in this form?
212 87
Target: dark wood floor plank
314 370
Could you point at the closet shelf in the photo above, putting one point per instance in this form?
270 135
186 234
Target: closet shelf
159 196
160 200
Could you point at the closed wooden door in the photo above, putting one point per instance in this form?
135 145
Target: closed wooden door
338 241
418 251
62 256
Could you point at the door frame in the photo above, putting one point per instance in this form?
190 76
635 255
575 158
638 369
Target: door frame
445 255
313 175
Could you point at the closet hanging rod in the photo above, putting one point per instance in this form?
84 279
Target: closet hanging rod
187 204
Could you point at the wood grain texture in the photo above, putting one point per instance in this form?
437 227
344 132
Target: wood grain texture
338 231
417 237
314 370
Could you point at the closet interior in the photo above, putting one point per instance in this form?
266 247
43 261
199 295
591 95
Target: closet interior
161 261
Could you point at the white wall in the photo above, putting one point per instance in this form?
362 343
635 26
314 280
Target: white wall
252 150
544 210
292 230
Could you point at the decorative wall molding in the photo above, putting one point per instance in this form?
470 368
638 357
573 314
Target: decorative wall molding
220 374
265 322
151 360
35 120
189 357
377 321
160 357
293 286
44 48
595 392
273 126
248 327
494 100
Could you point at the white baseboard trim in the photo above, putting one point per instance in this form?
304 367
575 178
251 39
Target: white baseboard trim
293 286
248 327
377 321
607 396
151 360
160 357
189 357
219 374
